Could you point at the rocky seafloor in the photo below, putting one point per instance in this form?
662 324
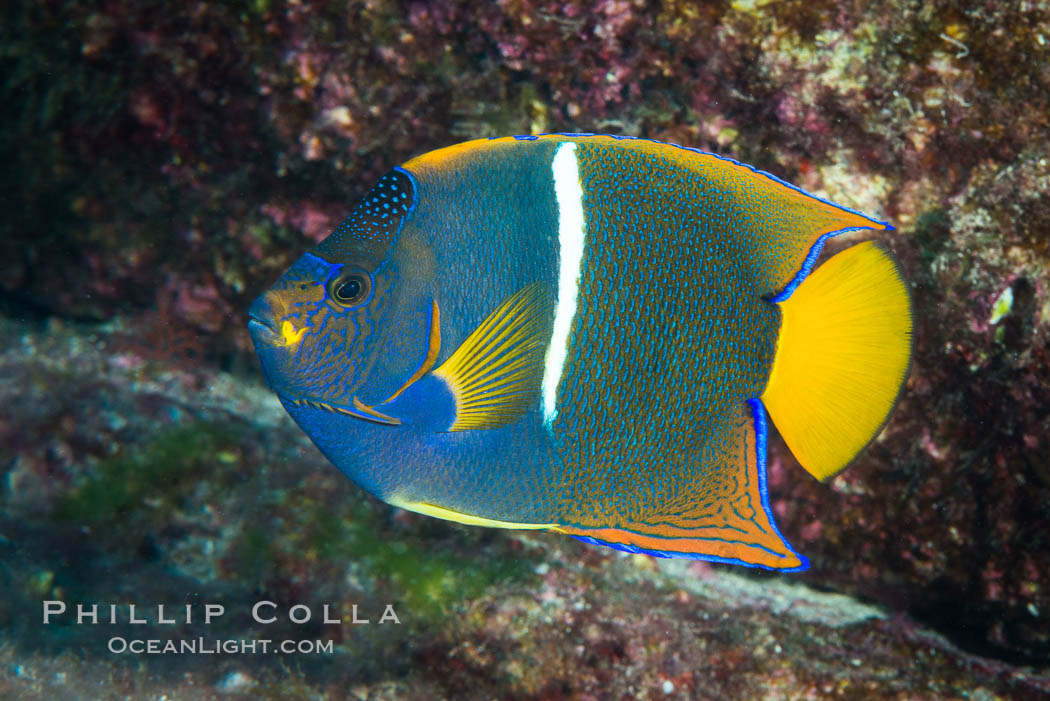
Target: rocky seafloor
164 162
205 493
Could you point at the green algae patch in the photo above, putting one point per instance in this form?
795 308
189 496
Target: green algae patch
150 481
430 579
418 571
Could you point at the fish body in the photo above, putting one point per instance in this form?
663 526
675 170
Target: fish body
583 334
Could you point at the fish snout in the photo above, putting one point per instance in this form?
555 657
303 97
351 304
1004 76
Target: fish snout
263 315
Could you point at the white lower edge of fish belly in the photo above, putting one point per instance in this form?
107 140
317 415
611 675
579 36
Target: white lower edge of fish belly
572 235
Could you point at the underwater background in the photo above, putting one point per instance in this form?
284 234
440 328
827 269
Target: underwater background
164 162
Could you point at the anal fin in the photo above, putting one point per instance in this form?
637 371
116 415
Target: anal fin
732 526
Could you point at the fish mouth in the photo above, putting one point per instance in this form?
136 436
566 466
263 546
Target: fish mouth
263 330
267 324
359 410
262 316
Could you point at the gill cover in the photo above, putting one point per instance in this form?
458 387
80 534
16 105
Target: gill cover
323 318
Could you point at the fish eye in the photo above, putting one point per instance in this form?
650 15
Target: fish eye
350 288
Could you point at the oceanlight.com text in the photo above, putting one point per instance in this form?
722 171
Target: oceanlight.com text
206 646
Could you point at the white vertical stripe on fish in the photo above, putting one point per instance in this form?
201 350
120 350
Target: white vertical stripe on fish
572 234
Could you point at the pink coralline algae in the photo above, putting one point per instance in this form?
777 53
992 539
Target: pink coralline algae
313 222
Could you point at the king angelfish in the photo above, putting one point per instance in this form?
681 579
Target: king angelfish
584 334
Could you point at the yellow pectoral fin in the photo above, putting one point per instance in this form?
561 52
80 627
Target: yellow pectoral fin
495 373
449 515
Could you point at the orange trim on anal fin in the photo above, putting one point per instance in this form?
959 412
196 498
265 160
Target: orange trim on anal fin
715 544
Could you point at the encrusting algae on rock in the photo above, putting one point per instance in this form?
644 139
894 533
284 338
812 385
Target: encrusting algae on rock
158 154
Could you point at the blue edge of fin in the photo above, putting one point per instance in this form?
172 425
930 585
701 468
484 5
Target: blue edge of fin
758 411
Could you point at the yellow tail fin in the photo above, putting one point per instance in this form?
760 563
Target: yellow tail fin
842 357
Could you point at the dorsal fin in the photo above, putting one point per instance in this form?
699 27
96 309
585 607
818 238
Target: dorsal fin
784 226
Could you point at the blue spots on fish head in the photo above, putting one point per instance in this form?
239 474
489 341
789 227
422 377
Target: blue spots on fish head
344 326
